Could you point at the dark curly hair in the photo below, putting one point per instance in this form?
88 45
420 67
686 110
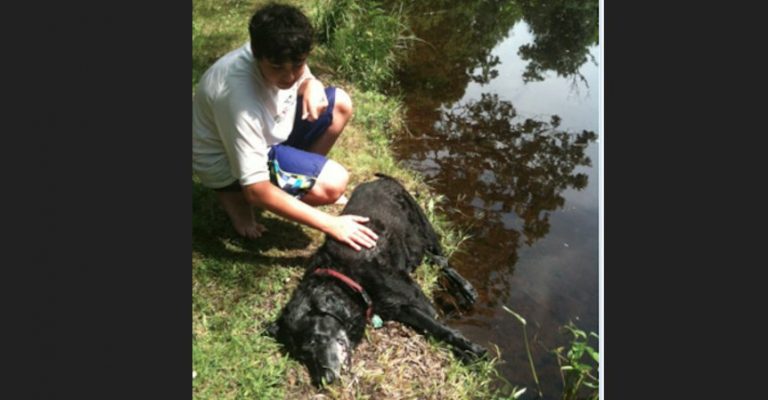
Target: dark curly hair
281 33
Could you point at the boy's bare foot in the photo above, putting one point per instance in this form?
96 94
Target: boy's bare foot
241 214
250 230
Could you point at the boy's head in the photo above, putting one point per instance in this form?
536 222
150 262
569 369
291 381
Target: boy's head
280 34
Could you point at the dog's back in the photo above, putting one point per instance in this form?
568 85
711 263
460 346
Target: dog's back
405 237
395 215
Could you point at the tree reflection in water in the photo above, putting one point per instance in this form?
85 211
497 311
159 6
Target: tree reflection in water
563 31
461 36
506 176
510 173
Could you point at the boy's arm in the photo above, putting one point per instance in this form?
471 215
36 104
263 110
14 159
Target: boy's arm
346 228
314 100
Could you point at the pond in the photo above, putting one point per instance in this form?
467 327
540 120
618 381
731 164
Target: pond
502 117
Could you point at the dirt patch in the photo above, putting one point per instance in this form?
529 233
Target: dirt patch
393 362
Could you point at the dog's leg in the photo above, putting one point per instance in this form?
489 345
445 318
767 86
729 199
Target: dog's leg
460 285
419 320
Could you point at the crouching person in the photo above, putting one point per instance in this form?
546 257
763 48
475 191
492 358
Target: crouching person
262 126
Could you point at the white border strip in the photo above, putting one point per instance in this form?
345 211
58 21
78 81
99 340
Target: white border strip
601 197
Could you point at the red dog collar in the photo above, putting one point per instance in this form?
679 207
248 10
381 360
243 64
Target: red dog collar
352 284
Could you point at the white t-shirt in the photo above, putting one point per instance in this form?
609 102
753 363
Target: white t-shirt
236 117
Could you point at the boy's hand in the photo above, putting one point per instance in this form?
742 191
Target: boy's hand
314 101
349 229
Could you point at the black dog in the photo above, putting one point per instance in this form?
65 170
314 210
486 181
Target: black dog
326 316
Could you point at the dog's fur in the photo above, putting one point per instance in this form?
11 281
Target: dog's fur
325 319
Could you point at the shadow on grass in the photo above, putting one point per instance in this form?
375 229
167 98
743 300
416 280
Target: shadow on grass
227 256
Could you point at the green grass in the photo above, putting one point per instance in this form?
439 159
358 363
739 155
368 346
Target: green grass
578 365
239 286
578 362
218 26
362 40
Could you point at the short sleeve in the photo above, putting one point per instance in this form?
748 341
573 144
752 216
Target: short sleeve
240 120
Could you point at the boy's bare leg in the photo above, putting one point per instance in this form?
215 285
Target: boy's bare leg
330 186
341 200
241 214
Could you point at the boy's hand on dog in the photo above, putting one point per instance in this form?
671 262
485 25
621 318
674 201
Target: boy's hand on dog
349 229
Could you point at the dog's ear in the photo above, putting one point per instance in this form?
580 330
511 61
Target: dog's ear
337 307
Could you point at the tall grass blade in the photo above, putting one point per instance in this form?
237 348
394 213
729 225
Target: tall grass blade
527 349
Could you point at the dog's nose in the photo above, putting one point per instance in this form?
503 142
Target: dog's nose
329 376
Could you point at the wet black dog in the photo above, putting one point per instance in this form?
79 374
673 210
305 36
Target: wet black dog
326 316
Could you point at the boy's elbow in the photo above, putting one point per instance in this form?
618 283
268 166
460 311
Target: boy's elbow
257 193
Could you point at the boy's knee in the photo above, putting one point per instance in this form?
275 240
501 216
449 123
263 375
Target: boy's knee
332 181
343 104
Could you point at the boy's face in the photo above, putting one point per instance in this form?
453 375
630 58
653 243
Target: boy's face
282 75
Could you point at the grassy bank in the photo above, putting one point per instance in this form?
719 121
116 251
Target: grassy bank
239 286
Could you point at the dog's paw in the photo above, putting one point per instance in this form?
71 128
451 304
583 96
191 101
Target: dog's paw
479 351
471 354
462 287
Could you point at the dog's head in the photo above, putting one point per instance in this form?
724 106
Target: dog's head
313 329
321 344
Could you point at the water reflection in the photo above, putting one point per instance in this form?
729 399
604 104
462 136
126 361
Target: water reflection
563 31
461 35
510 175
484 104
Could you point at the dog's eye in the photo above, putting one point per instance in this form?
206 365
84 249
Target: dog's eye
310 344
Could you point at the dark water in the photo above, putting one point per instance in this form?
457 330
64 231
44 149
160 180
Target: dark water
503 118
